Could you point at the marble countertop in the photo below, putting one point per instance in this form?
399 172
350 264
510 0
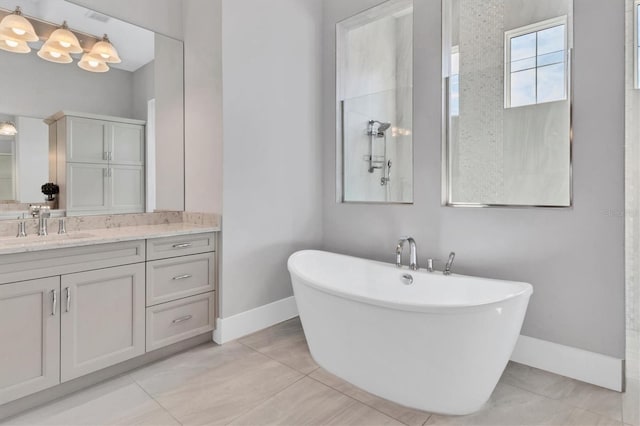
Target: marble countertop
31 243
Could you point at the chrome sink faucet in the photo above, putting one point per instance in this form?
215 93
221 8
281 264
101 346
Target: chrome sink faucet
447 268
43 214
413 254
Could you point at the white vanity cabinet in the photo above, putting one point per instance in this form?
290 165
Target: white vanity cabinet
99 163
29 337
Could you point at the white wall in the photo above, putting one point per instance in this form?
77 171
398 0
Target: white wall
272 145
32 158
573 257
203 104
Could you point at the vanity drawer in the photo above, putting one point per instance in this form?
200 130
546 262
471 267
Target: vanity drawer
179 277
182 245
175 321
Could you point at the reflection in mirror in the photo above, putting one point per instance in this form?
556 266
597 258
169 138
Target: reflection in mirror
507 73
145 89
375 104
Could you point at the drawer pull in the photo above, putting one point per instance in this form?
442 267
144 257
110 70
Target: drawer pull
183 245
182 277
182 319
54 303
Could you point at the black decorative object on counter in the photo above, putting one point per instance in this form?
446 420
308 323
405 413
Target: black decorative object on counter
50 189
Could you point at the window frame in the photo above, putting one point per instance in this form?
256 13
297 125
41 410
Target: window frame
528 29
636 39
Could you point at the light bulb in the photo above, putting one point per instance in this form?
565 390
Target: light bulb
104 55
18 31
55 54
11 43
94 64
65 44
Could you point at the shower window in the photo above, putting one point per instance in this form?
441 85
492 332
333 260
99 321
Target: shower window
454 82
535 66
636 42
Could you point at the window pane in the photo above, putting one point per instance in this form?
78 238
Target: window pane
523 88
638 23
551 40
551 83
523 47
551 58
455 63
523 64
454 95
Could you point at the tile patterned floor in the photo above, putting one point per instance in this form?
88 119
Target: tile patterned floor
270 378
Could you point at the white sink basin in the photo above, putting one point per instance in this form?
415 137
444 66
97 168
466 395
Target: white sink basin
35 239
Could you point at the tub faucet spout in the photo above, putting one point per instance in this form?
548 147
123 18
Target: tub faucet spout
413 254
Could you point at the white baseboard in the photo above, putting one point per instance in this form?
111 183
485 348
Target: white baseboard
236 326
590 367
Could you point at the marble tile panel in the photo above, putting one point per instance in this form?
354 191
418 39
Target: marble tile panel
602 401
408 416
117 402
285 343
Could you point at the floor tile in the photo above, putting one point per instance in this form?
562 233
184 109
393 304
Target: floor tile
601 401
509 406
408 416
308 402
232 381
285 343
117 402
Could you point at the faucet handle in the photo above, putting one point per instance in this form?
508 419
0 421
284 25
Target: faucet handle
62 229
22 231
447 268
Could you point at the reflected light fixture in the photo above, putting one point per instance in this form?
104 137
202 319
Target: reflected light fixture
64 40
12 45
105 52
50 53
92 64
7 128
17 27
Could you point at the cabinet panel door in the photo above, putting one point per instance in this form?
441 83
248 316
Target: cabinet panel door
29 337
87 187
126 143
127 188
103 319
86 140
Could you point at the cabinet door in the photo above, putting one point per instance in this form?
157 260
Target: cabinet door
86 140
126 143
29 337
103 319
88 189
127 188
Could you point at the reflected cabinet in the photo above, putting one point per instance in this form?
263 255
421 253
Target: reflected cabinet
507 79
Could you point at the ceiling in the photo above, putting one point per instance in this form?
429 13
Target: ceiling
134 44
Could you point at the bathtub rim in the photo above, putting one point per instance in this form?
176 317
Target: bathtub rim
526 290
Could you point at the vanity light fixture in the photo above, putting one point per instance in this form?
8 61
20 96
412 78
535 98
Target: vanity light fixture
49 53
17 27
12 45
64 40
105 52
7 128
90 63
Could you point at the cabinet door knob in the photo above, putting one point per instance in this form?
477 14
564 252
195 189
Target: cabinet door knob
182 319
68 290
54 303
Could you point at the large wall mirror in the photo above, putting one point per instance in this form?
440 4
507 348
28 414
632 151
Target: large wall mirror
375 105
507 73
132 116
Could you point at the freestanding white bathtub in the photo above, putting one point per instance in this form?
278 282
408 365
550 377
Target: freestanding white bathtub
439 344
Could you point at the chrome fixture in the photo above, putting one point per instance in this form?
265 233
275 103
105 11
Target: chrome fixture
407 279
22 231
62 228
44 213
377 129
447 268
429 265
413 254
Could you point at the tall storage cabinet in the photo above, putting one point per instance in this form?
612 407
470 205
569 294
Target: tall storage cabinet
98 162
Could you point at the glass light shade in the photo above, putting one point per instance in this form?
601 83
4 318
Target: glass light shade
89 63
12 45
52 54
7 128
104 51
18 27
65 40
